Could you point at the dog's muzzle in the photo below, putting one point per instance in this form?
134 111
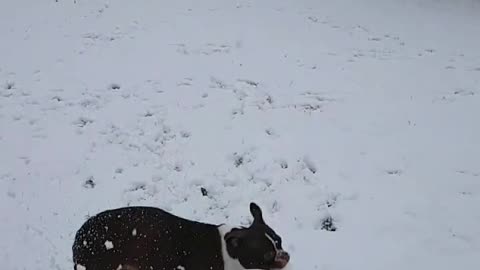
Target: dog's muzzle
281 259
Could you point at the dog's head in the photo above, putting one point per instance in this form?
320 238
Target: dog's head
258 246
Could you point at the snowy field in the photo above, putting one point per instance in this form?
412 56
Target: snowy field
355 124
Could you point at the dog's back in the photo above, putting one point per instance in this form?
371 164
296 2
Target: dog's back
141 238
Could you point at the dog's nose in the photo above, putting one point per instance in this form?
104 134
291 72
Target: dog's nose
281 259
283 255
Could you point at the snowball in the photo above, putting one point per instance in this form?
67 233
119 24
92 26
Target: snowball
108 245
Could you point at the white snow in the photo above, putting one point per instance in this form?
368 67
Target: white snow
108 245
134 232
80 267
361 112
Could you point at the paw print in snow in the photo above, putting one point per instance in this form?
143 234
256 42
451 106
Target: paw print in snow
89 183
114 86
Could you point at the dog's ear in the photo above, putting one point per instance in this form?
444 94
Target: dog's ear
256 213
233 240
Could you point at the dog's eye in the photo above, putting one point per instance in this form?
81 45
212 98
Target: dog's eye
269 256
277 242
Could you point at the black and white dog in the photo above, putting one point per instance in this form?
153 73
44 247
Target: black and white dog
148 238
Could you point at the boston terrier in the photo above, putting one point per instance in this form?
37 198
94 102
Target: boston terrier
148 238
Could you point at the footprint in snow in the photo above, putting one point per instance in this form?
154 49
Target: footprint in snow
178 167
140 191
394 172
313 19
467 172
326 223
182 49
89 103
249 82
148 114
463 92
310 164
458 93
185 134
211 48
89 183
137 186
114 86
82 122
217 83
57 98
331 200
281 162
239 159
9 85
185 82
117 173
271 133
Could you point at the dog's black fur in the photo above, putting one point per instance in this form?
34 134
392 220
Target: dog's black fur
147 238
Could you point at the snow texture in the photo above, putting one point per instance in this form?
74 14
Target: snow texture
354 124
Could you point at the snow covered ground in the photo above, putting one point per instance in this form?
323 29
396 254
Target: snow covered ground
363 113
